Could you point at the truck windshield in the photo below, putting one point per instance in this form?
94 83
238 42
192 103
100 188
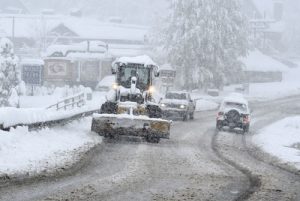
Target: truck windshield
142 74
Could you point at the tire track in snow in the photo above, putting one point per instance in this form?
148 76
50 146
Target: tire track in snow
254 181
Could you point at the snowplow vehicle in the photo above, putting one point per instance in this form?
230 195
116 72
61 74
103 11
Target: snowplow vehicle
130 108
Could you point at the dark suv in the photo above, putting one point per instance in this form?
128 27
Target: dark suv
234 113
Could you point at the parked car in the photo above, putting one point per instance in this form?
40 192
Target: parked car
234 113
178 104
213 92
106 83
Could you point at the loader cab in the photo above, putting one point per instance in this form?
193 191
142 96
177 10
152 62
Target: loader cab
143 75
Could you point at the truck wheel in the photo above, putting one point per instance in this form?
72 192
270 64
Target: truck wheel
192 115
219 125
185 117
151 139
246 129
109 108
154 111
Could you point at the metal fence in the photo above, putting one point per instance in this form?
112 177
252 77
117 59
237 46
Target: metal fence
69 103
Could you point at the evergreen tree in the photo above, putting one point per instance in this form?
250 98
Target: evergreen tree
204 39
9 74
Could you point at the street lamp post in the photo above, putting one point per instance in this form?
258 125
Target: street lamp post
13 29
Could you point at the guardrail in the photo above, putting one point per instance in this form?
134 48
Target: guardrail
77 100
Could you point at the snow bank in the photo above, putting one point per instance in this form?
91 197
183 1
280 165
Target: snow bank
269 91
282 140
24 152
15 116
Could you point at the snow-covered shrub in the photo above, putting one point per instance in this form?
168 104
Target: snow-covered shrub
9 74
204 40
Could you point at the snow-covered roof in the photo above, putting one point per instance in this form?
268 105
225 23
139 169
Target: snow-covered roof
107 81
166 67
32 26
32 61
86 55
121 50
257 61
94 46
144 59
90 28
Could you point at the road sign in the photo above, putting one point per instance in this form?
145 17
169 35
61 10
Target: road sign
32 74
167 77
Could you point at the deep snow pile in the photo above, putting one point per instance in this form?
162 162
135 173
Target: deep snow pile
23 152
282 139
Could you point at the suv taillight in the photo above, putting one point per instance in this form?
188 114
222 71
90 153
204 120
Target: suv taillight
220 114
246 119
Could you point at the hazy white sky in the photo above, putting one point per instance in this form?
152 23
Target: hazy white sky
135 11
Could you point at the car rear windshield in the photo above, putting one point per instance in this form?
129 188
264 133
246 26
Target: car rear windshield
240 106
178 96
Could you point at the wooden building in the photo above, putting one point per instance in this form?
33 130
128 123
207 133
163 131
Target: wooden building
259 68
80 64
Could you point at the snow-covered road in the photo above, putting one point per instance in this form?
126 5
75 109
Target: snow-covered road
196 163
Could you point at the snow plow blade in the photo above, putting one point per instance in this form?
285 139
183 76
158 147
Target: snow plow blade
109 125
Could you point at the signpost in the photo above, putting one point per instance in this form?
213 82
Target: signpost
32 75
167 77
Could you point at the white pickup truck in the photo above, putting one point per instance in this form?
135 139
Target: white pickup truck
178 104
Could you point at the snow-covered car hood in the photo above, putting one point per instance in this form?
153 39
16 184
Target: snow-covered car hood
174 101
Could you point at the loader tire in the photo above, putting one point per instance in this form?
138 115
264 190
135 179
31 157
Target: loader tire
153 140
109 108
154 111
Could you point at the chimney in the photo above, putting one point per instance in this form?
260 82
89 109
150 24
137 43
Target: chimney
278 10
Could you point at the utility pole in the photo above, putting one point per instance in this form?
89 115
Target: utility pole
13 29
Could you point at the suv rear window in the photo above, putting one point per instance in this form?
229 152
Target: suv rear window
240 106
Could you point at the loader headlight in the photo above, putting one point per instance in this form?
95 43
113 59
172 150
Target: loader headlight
115 86
163 105
151 89
182 106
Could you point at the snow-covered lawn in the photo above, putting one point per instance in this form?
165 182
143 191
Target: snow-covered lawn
290 85
38 101
23 152
47 100
282 139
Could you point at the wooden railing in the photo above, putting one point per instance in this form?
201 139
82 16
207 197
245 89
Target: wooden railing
70 102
